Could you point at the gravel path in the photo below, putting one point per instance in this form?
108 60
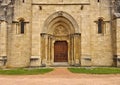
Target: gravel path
61 76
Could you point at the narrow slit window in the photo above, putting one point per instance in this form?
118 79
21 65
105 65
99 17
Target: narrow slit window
23 1
22 27
100 26
98 0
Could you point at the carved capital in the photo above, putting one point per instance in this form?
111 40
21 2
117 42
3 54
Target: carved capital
43 34
77 34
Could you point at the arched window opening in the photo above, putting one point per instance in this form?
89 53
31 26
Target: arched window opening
100 26
22 25
98 0
23 1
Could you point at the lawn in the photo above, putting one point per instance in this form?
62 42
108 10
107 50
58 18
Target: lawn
25 71
91 70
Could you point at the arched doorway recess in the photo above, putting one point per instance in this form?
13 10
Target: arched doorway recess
60 31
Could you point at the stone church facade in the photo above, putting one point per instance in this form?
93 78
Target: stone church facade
59 33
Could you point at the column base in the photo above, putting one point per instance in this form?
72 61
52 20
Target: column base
118 61
43 63
77 63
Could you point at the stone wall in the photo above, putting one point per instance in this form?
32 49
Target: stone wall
101 44
26 49
19 45
45 12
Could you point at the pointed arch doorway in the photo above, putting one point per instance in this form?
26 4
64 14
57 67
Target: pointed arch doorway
60 40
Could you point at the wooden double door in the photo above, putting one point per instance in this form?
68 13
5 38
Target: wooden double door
60 51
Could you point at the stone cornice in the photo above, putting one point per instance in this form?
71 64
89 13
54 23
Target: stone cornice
60 3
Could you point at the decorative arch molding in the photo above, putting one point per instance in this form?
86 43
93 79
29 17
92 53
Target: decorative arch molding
60 21
59 16
60 26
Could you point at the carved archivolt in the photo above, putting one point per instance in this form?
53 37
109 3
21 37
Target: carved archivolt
60 26
60 23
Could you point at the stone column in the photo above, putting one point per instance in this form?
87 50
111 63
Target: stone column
77 49
72 49
49 50
3 42
118 41
44 38
51 38
3 38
